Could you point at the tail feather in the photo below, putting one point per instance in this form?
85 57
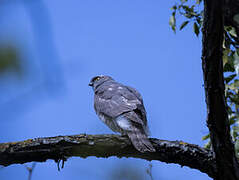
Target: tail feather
140 141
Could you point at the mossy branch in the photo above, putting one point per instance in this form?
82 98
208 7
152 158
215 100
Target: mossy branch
62 147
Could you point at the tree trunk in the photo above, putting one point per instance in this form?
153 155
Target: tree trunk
217 116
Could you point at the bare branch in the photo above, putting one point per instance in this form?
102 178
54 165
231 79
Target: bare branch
61 147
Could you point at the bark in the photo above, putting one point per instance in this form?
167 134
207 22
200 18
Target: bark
61 147
217 116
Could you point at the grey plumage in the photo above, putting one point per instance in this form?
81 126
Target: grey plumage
121 108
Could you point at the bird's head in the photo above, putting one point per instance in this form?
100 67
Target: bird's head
97 80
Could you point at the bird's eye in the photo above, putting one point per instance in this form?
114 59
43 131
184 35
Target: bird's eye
97 79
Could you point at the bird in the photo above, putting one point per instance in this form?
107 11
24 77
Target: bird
122 109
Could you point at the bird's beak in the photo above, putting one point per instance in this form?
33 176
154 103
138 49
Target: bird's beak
90 84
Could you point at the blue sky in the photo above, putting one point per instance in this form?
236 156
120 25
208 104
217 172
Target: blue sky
62 44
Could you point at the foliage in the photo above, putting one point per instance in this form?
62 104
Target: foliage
9 60
193 13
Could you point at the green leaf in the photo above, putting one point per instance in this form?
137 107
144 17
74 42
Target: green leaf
199 20
234 134
230 111
236 61
186 8
208 145
236 128
174 7
183 24
198 1
195 28
229 78
232 120
225 59
237 148
205 137
188 15
172 22
229 66
232 32
236 18
236 83
183 1
234 97
232 87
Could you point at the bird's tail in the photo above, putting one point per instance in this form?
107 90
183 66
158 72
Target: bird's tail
140 141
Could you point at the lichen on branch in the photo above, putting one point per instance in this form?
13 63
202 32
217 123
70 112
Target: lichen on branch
83 145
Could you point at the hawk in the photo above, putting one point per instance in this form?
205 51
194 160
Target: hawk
121 108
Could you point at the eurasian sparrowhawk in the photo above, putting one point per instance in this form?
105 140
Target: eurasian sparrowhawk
121 108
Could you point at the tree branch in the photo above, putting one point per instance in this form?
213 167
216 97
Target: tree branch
217 119
61 147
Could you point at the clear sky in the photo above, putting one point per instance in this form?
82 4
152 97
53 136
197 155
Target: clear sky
63 44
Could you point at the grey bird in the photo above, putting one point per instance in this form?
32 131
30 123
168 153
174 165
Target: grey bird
121 108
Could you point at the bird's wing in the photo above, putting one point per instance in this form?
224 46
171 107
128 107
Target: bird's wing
140 107
135 92
115 99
